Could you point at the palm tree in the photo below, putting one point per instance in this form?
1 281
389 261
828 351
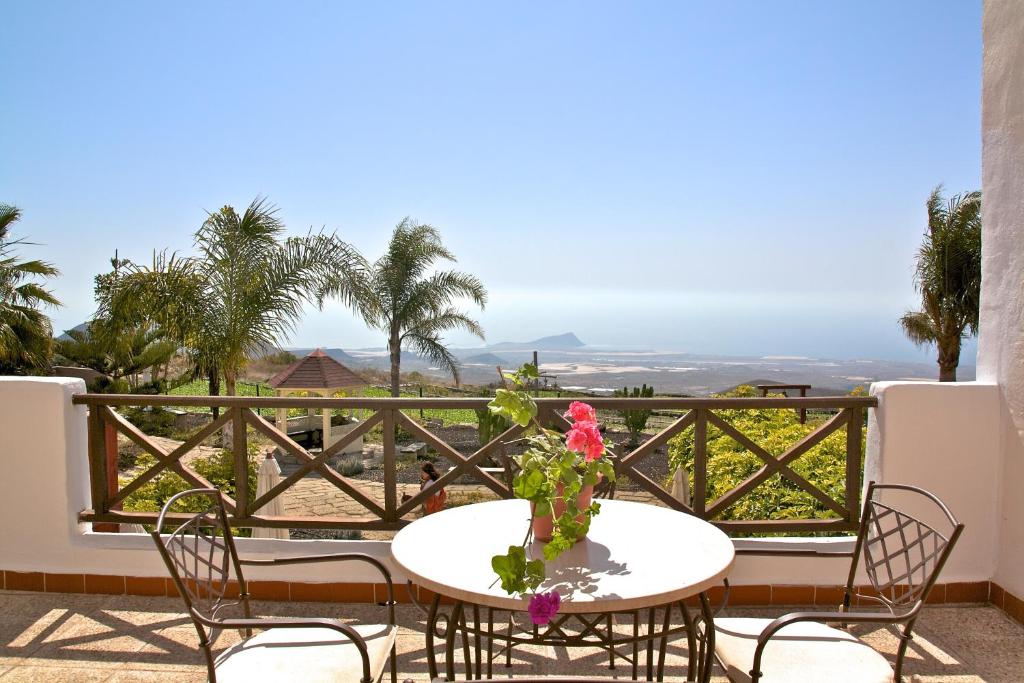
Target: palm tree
412 305
242 293
948 277
117 351
26 337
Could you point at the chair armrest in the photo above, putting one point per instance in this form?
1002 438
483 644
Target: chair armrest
332 557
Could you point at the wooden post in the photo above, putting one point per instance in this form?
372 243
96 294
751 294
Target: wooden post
803 411
853 457
240 451
99 464
700 462
390 471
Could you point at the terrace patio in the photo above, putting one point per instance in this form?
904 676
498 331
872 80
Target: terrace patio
61 637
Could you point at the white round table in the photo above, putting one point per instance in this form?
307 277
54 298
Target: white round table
635 557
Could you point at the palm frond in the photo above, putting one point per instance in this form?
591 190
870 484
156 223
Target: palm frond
919 328
434 350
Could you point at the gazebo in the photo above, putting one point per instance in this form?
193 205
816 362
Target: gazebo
320 375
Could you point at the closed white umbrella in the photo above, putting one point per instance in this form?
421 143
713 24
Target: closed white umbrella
681 485
267 478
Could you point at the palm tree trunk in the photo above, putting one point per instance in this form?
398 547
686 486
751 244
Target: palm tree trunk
395 347
213 383
227 434
949 359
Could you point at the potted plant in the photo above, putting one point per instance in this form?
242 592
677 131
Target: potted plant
557 474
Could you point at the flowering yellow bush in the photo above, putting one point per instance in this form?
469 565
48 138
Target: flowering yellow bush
775 430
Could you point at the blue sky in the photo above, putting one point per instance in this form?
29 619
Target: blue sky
716 177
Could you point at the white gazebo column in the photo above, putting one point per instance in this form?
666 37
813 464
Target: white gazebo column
327 421
281 418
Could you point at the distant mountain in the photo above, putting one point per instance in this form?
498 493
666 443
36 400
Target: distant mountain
81 327
337 354
558 342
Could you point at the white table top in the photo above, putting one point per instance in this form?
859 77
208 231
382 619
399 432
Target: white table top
635 556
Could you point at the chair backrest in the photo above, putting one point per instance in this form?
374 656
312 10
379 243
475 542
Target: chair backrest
903 555
201 558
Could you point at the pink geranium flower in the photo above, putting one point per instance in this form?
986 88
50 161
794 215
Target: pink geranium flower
581 412
585 437
543 607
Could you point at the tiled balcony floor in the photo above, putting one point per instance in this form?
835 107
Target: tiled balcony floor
57 637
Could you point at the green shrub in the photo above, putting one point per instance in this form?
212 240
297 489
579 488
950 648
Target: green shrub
775 430
218 469
154 421
350 466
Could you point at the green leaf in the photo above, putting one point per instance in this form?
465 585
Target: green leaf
517 406
528 484
511 569
535 574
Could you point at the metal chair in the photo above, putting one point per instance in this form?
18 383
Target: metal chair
201 557
903 557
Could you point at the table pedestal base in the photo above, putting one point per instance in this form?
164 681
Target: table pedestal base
475 627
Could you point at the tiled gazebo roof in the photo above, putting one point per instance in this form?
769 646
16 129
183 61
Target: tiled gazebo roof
316 371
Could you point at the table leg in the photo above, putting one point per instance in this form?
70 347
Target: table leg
709 638
490 642
431 629
636 643
449 640
476 638
611 642
464 623
650 643
691 642
666 624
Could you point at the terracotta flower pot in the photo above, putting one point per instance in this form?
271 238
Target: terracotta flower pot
544 527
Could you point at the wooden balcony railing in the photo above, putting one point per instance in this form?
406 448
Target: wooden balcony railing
108 492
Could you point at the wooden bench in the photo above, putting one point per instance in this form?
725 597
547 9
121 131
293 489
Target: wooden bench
416 448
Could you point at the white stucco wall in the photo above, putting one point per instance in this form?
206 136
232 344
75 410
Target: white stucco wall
1001 342
44 483
944 438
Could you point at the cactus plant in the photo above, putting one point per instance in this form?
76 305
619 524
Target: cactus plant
635 419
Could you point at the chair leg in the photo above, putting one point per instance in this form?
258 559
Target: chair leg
394 662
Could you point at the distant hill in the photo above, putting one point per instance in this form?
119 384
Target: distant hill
558 342
81 327
337 354
488 359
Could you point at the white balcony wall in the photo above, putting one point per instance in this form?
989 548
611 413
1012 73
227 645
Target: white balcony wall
944 438
1001 342
44 484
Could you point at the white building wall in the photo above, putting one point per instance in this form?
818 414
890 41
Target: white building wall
1001 343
